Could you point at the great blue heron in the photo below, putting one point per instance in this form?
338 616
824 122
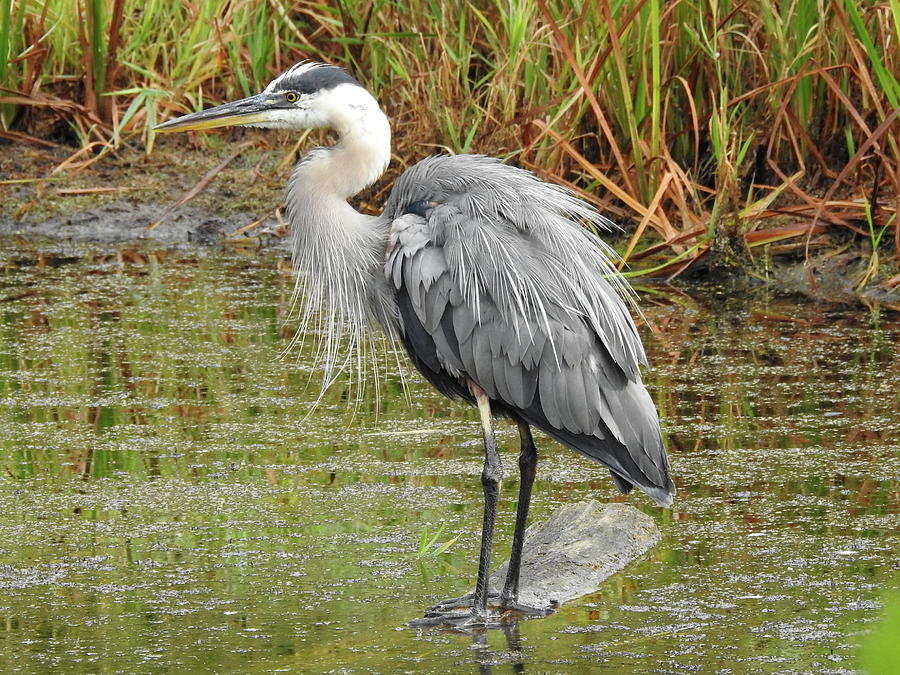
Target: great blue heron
485 274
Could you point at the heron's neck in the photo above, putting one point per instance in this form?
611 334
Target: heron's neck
360 156
323 224
338 250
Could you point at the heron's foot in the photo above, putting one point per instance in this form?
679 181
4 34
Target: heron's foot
463 602
462 614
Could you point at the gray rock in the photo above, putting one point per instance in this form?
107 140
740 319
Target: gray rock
573 552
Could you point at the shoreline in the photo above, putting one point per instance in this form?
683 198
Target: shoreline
113 201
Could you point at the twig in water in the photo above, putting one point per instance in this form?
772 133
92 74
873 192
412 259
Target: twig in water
200 186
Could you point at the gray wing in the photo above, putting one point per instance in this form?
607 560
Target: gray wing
496 282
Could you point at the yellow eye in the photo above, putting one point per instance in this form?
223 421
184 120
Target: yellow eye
291 97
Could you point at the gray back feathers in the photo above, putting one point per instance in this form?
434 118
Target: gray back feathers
498 282
519 238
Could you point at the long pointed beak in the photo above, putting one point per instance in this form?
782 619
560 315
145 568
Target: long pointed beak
251 110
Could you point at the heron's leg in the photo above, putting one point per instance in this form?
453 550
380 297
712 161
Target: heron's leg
527 469
490 483
447 613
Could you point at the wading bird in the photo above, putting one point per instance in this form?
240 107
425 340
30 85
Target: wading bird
488 278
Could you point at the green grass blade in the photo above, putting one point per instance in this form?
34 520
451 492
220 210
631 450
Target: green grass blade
888 81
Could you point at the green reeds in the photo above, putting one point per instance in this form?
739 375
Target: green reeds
675 116
10 47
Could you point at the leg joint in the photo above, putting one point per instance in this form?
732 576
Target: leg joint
491 476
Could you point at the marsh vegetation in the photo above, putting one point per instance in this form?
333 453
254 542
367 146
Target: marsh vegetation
720 134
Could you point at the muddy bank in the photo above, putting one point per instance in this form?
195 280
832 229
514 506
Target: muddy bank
835 279
117 199
823 278
124 221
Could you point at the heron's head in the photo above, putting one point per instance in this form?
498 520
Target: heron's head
308 95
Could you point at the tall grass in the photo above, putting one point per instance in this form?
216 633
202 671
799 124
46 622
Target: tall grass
701 121
10 45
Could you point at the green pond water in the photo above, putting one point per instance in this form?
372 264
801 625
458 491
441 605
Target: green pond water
169 505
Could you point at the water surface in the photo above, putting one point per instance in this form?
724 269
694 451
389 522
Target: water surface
169 504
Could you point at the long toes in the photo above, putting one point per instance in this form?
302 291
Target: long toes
449 610
460 613
457 620
466 601
451 603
